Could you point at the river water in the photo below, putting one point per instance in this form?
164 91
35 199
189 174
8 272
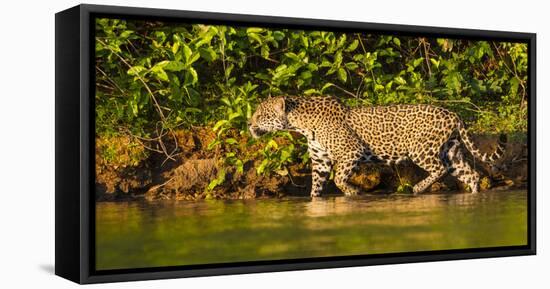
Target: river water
141 234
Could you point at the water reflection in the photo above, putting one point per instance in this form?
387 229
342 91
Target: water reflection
142 234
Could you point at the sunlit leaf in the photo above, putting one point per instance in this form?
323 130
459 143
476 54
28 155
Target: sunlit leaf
342 74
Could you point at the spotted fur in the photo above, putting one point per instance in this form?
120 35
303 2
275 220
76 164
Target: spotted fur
339 138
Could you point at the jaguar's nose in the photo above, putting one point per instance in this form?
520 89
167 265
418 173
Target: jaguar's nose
252 130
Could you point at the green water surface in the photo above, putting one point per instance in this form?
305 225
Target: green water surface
141 234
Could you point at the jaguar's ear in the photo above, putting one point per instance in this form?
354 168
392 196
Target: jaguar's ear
280 105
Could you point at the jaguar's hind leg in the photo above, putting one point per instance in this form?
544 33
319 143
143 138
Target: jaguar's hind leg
344 169
434 166
461 169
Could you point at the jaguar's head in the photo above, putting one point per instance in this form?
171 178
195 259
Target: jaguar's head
270 116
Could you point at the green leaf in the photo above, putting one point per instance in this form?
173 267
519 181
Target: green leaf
254 30
136 70
338 58
278 35
125 34
326 63
240 166
342 74
255 37
417 61
261 168
160 64
388 85
305 75
341 40
228 70
305 41
220 179
225 101
434 62
285 155
134 108
194 75
312 67
248 111
174 66
219 124
161 74
351 65
264 51
208 54
293 56
396 41
311 91
272 144
234 115
400 80
187 52
213 144
514 85
230 141
194 57
327 85
175 47
352 46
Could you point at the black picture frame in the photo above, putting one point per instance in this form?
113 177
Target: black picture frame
74 145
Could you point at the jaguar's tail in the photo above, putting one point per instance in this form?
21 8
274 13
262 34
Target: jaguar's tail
484 157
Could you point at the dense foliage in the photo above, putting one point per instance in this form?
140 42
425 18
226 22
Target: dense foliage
154 77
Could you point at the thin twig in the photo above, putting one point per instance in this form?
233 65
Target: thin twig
357 93
370 70
109 79
222 51
345 91
478 109
132 45
426 56
292 180
105 86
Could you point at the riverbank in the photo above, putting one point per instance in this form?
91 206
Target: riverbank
127 168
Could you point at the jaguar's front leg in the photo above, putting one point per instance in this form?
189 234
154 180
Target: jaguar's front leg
320 171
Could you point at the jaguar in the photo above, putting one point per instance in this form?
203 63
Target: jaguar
339 138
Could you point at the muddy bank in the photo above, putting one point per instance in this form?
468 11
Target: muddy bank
125 169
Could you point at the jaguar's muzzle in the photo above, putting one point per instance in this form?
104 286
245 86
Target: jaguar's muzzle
256 132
